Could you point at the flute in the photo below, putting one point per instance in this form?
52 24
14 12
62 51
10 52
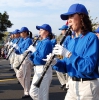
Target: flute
48 63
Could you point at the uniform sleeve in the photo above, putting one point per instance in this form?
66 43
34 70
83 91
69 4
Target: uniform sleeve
24 47
60 66
86 64
65 43
40 54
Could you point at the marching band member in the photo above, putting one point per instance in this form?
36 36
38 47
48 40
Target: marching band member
10 47
81 56
24 73
17 57
43 48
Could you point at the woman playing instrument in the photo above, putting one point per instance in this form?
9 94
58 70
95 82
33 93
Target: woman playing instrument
81 56
24 73
43 48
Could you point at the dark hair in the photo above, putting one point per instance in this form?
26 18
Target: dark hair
50 35
30 34
86 25
53 36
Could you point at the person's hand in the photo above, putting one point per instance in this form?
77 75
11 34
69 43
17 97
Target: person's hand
31 48
10 43
54 61
60 50
15 46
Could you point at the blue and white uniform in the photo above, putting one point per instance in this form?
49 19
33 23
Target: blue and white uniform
12 56
54 41
43 48
82 64
24 73
17 56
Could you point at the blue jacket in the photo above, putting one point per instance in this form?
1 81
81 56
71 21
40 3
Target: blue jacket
20 40
53 42
43 48
23 45
83 62
65 42
13 40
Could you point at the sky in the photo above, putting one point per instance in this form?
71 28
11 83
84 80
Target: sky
30 13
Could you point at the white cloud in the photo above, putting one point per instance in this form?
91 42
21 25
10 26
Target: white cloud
17 14
37 12
47 3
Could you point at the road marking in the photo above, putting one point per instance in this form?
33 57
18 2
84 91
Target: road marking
2 60
4 80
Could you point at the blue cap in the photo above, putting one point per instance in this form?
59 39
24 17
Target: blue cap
64 27
24 29
16 31
45 27
73 9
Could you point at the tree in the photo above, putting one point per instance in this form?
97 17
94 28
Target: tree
4 23
94 22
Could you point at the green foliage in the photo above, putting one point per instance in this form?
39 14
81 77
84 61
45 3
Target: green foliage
4 23
94 21
1 36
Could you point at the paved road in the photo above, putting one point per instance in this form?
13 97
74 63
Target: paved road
11 90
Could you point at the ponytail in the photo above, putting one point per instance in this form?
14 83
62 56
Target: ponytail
50 35
30 34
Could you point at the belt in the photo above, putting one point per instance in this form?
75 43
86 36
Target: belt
82 79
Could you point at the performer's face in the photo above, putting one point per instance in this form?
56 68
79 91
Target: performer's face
23 34
63 32
74 21
43 33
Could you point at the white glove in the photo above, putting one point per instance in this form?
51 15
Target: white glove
7 43
15 46
54 61
60 50
10 43
25 52
31 48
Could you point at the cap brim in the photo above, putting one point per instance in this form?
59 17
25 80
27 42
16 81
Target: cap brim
96 31
20 31
40 27
65 15
60 28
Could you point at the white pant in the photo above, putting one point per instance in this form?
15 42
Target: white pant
85 90
17 61
11 58
41 93
24 75
63 79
